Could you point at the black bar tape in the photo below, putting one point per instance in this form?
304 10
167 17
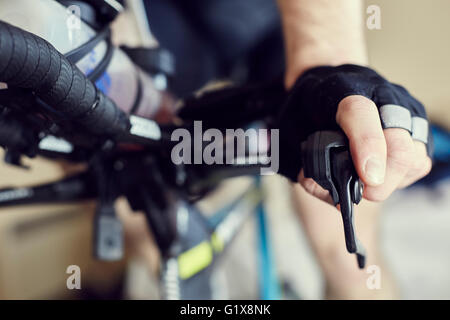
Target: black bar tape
30 62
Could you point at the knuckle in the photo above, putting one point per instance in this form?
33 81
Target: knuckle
352 104
401 159
428 165
422 164
401 152
356 102
423 167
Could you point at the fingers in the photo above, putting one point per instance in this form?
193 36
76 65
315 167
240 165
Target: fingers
359 119
421 166
400 158
407 162
314 189
384 159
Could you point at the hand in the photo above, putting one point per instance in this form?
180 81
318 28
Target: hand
384 159
328 98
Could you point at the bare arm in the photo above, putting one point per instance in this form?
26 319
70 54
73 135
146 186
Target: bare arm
321 32
331 32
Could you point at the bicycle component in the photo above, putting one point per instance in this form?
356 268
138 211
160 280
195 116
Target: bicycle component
108 234
115 74
201 241
63 86
152 60
51 108
74 188
146 184
327 160
108 231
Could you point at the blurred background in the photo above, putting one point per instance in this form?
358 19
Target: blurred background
37 243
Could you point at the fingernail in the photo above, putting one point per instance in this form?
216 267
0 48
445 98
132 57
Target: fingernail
374 171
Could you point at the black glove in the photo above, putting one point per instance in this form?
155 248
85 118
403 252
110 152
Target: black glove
313 102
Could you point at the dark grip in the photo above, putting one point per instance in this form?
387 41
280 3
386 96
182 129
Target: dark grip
30 62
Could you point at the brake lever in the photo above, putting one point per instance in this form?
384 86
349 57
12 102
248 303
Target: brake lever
327 160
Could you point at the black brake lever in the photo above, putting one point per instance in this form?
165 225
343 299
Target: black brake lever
327 160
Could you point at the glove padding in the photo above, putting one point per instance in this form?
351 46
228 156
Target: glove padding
313 102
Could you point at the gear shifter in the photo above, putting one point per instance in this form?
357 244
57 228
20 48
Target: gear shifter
327 160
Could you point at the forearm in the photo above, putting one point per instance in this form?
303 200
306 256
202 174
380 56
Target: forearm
321 32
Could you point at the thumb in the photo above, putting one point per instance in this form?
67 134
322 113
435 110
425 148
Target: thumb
359 119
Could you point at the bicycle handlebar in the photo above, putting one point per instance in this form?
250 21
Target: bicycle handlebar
30 62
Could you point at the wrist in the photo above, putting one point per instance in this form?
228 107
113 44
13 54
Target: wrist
309 58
